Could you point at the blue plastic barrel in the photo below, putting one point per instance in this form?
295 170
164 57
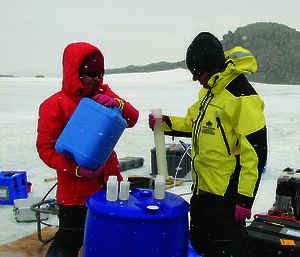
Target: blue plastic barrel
91 134
139 227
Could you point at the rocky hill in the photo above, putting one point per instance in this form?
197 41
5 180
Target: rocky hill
275 46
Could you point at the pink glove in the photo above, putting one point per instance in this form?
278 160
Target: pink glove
106 100
242 213
83 172
152 120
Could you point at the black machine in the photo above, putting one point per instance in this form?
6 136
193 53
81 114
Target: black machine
288 192
274 236
178 160
278 233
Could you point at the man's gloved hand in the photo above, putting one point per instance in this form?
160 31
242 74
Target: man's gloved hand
83 172
106 100
242 213
152 120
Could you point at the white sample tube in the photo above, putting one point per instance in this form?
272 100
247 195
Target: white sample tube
160 145
124 190
160 187
112 189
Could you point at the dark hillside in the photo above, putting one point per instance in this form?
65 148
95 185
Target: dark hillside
275 46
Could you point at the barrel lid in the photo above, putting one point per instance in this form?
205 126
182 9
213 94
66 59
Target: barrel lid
141 205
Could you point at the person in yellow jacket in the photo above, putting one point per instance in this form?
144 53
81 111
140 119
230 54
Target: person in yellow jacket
229 146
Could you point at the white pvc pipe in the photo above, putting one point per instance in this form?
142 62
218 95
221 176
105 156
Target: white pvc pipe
159 140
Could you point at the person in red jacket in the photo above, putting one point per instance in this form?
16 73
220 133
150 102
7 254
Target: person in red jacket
83 70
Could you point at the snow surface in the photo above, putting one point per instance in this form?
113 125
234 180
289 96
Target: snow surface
173 91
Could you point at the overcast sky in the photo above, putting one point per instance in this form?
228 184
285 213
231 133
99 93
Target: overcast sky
34 33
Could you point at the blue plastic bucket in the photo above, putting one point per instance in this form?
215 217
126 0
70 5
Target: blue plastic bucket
91 134
139 227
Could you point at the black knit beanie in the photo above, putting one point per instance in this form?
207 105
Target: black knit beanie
205 53
93 62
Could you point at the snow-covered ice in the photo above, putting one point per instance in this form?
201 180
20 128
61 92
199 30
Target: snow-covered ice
173 91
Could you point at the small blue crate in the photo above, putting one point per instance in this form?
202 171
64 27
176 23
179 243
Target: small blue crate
13 185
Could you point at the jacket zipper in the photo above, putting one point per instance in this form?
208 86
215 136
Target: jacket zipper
202 110
194 187
223 133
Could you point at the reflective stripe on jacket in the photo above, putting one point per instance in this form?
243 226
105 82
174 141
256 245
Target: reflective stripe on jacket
228 131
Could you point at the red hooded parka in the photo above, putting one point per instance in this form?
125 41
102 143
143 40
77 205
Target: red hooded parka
54 114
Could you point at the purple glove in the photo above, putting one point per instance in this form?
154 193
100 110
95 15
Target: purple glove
83 172
106 100
152 120
242 213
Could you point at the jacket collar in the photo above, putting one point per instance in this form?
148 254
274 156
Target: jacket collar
238 60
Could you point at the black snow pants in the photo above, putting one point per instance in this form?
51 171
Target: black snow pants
69 238
213 229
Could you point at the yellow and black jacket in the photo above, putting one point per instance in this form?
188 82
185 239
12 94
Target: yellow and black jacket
228 130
